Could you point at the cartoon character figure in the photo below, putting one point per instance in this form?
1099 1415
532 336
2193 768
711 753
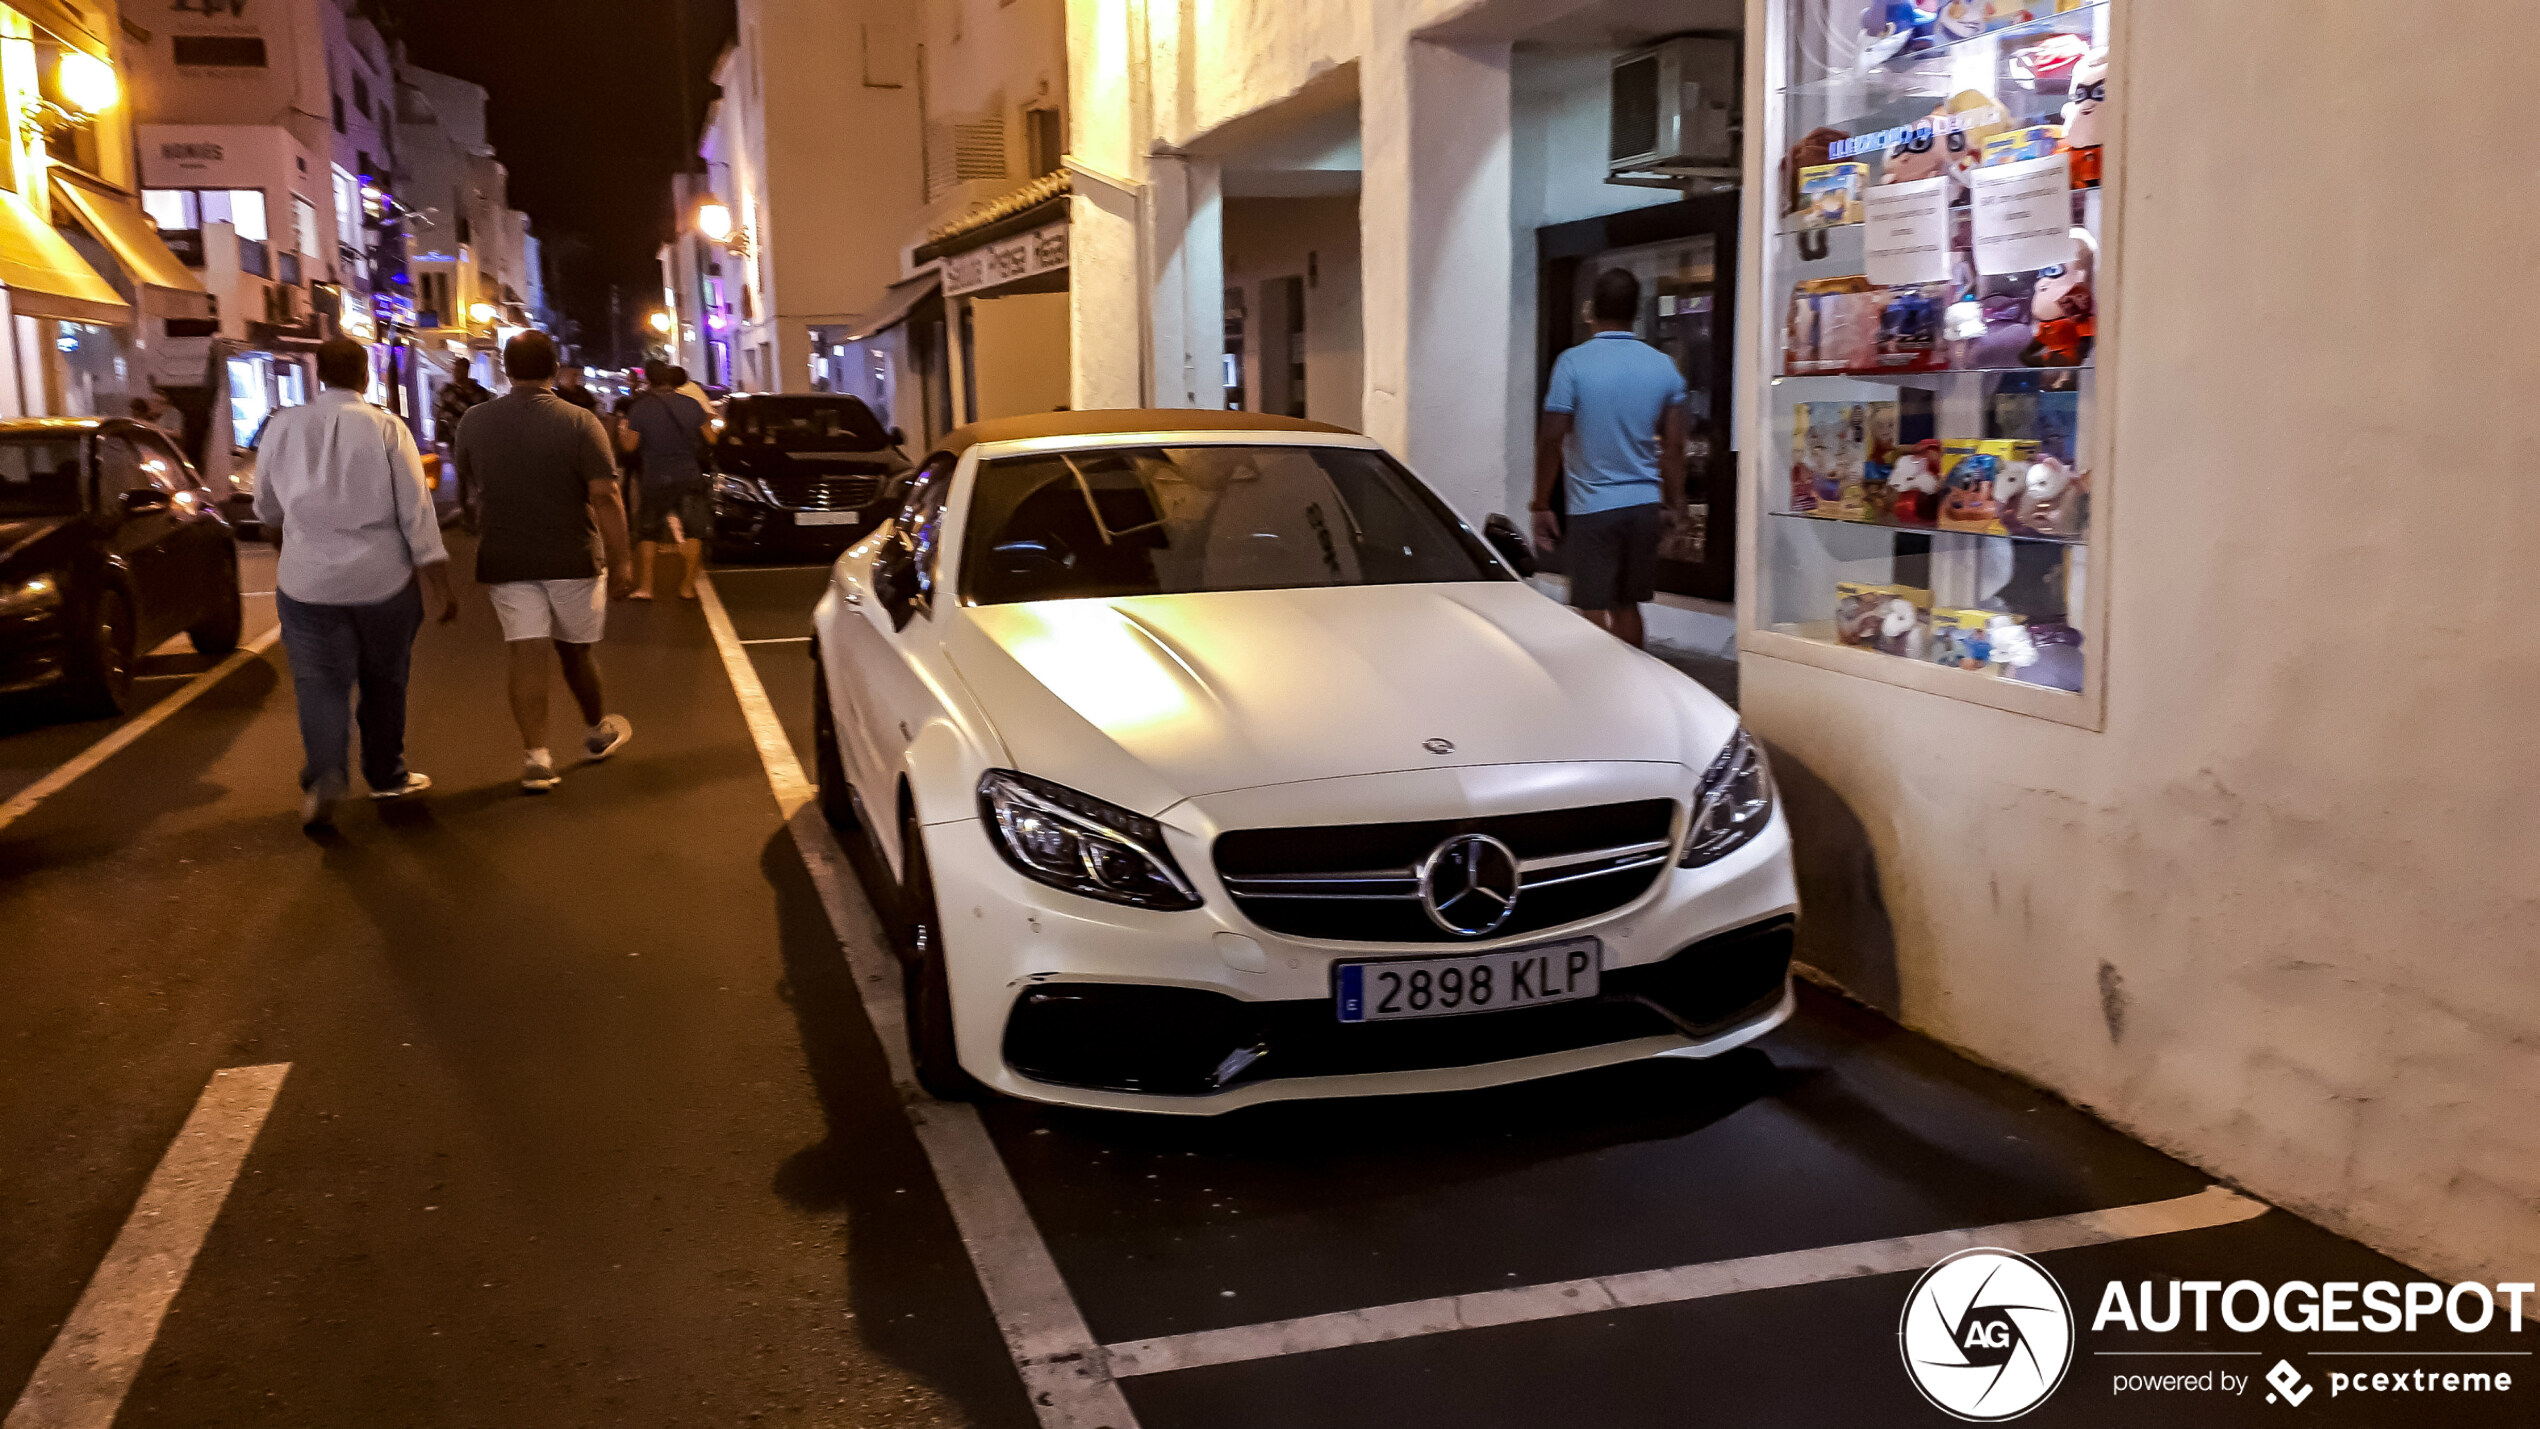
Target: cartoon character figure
2054 500
1914 485
2047 66
1892 28
2007 333
1909 324
2010 643
1856 615
1959 20
2066 309
1969 503
2085 117
1948 141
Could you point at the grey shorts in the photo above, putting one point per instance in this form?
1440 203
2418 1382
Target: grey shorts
656 505
1612 557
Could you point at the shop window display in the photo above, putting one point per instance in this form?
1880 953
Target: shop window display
1935 255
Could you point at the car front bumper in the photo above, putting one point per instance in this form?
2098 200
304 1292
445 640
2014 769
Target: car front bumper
1064 999
752 526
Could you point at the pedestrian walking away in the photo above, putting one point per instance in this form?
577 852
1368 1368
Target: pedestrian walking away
340 487
668 431
1614 423
462 395
543 478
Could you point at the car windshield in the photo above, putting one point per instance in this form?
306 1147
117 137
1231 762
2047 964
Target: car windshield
1175 520
39 475
809 423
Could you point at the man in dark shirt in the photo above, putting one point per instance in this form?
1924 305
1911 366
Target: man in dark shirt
541 470
667 430
569 387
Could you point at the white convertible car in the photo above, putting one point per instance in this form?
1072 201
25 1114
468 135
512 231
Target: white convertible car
1216 761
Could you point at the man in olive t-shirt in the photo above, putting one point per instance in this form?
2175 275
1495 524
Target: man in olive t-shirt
541 477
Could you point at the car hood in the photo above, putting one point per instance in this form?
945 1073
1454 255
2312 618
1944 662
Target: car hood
18 536
1149 700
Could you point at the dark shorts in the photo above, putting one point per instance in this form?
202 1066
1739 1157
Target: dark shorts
693 505
1612 557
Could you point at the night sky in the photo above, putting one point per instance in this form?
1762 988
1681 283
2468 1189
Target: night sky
585 111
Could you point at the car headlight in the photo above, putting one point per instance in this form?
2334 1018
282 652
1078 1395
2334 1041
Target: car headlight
31 597
1734 803
1054 835
742 488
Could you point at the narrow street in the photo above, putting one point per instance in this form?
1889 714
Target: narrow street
583 1124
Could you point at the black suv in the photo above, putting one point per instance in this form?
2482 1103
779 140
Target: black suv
800 474
109 544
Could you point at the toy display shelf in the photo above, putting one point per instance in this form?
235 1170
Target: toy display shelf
1928 374
2080 540
1935 72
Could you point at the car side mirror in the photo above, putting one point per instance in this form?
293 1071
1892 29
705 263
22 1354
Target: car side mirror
142 499
1505 538
895 583
898 437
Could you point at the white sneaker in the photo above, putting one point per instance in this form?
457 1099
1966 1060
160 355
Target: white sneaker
537 777
415 784
607 737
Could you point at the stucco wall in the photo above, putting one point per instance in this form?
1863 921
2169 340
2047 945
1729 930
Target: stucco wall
2280 915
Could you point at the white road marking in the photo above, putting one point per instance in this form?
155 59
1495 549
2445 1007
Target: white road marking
1057 1356
755 570
130 730
1604 1294
780 640
82 1379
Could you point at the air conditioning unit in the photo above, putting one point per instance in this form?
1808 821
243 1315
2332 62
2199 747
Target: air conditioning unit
1676 115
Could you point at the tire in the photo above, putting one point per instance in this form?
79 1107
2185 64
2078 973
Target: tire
932 1048
837 801
101 681
218 633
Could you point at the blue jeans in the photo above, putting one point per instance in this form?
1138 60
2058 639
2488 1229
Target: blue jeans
336 650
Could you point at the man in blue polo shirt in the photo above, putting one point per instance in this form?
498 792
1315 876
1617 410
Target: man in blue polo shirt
1615 422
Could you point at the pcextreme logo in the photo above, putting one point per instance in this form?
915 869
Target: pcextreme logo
1986 1336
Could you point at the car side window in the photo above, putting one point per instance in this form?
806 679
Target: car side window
121 467
160 454
921 516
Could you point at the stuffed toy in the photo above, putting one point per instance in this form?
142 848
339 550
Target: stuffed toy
1892 28
1914 486
2066 309
1904 628
2047 66
2085 117
2006 333
2053 501
1959 20
1969 504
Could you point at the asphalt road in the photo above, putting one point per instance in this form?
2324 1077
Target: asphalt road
584 1125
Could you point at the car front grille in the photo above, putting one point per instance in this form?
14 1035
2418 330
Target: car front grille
1359 882
824 493
1181 1041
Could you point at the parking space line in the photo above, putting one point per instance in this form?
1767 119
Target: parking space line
780 640
82 1379
2214 1206
1061 1364
130 730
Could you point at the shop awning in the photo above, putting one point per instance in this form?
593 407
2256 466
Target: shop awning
129 235
45 276
898 301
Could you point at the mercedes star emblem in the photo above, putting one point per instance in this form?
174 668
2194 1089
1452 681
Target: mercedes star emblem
1438 746
1469 884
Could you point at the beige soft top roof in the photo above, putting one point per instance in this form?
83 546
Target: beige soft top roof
1125 422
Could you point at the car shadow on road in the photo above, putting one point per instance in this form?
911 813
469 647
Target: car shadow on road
916 1298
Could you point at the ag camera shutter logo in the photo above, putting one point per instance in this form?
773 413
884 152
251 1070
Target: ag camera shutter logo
1987 1335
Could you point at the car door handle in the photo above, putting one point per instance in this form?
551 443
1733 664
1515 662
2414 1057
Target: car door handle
850 595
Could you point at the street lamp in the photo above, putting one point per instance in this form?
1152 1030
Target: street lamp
714 220
484 312
661 323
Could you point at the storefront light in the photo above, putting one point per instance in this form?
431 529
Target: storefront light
87 83
714 220
661 322
483 312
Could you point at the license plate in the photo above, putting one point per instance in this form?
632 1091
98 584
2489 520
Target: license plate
1402 988
825 518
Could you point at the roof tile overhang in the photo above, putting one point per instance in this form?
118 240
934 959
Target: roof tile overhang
1008 213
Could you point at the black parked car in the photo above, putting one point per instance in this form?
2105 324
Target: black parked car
800 474
109 544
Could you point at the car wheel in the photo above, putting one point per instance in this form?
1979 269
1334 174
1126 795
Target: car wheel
103 682
218 633
837 801
928 988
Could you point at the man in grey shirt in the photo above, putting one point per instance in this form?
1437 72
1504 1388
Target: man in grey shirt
340 486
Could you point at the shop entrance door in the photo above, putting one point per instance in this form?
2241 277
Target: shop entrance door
1685 255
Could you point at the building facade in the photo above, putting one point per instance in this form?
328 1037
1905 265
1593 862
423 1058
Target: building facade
2255 897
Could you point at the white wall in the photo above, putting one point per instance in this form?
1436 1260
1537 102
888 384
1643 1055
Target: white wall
2279 916
1019 352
